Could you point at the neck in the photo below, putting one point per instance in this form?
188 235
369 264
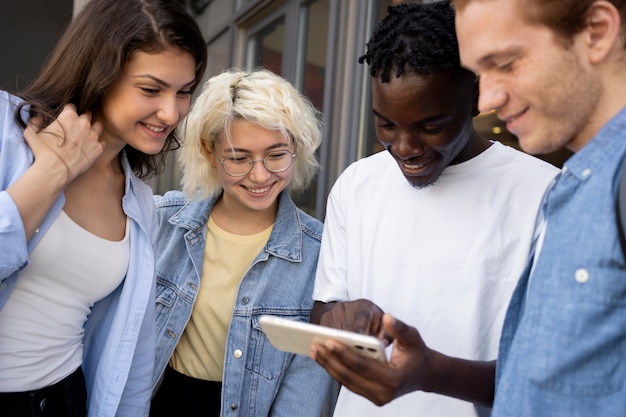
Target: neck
240 220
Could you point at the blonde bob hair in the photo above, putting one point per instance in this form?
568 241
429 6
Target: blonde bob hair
259 97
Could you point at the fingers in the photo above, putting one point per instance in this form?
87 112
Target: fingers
71 141
361 316
365 376
404 336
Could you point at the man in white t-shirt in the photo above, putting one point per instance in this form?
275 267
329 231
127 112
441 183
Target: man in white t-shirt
436 229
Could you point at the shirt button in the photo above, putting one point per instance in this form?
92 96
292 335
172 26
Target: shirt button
581 275
237 353
37 230
245 300
586 172
233 406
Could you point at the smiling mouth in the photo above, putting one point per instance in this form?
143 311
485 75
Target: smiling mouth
258 190
154 128
406 166
511 119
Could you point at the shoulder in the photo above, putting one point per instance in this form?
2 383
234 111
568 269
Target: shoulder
170 199
310 225
10 131
8 102
378 160
371 171
517 159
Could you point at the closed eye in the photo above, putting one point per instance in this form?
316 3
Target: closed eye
238 160
277 155
432 129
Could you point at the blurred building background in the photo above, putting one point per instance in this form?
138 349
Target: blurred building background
313 43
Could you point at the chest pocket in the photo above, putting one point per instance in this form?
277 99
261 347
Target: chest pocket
264 359
584 355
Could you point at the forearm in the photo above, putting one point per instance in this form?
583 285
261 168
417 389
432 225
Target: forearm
35 192
472 381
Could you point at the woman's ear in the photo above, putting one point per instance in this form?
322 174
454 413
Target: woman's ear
207 151
603 29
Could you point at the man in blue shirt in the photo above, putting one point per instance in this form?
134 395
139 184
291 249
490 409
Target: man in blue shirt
555 72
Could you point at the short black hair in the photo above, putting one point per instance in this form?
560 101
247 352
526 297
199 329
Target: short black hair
414 37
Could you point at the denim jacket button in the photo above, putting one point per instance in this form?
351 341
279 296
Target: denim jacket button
245 300
581 275
237 353
233 406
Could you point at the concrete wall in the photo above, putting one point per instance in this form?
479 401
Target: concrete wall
29 29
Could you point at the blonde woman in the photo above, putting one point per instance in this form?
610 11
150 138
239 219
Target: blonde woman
233 246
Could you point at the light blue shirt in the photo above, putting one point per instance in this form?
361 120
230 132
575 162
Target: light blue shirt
259 380
119 335
563 346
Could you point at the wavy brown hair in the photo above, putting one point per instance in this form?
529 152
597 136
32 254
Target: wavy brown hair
92 53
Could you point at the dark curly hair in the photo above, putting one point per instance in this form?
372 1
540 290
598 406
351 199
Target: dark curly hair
414 37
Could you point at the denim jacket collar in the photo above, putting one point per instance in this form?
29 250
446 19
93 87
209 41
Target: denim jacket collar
284 242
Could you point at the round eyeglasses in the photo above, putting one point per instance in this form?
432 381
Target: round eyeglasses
239 166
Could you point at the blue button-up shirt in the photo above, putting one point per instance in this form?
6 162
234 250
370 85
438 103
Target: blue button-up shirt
259 380
563 346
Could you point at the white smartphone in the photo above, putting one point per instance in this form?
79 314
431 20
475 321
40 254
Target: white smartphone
297 337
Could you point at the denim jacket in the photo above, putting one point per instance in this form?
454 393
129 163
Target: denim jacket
118 344
563 345
259 380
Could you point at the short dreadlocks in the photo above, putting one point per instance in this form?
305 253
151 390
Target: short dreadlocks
416 38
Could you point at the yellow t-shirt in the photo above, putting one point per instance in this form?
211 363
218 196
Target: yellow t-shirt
227 257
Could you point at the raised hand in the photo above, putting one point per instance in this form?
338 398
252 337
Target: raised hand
70 143
63 150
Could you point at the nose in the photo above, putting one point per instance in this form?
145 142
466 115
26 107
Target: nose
169 111
259 173
492 95
406 146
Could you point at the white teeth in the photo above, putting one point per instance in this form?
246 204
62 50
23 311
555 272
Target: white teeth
407 166
154 128
258 190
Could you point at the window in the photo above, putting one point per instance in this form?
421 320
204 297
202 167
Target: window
291 40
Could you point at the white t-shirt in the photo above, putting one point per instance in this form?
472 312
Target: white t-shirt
444 259
41 325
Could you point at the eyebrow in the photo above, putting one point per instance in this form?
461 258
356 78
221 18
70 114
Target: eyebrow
160 81
278 145
490 59
431 119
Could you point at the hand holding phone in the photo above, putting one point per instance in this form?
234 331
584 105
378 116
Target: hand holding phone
297 337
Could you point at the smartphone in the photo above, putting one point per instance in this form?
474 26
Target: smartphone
297 337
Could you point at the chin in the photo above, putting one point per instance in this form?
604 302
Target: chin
423 184
535 146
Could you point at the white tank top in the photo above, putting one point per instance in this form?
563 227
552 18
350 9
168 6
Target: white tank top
41 325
